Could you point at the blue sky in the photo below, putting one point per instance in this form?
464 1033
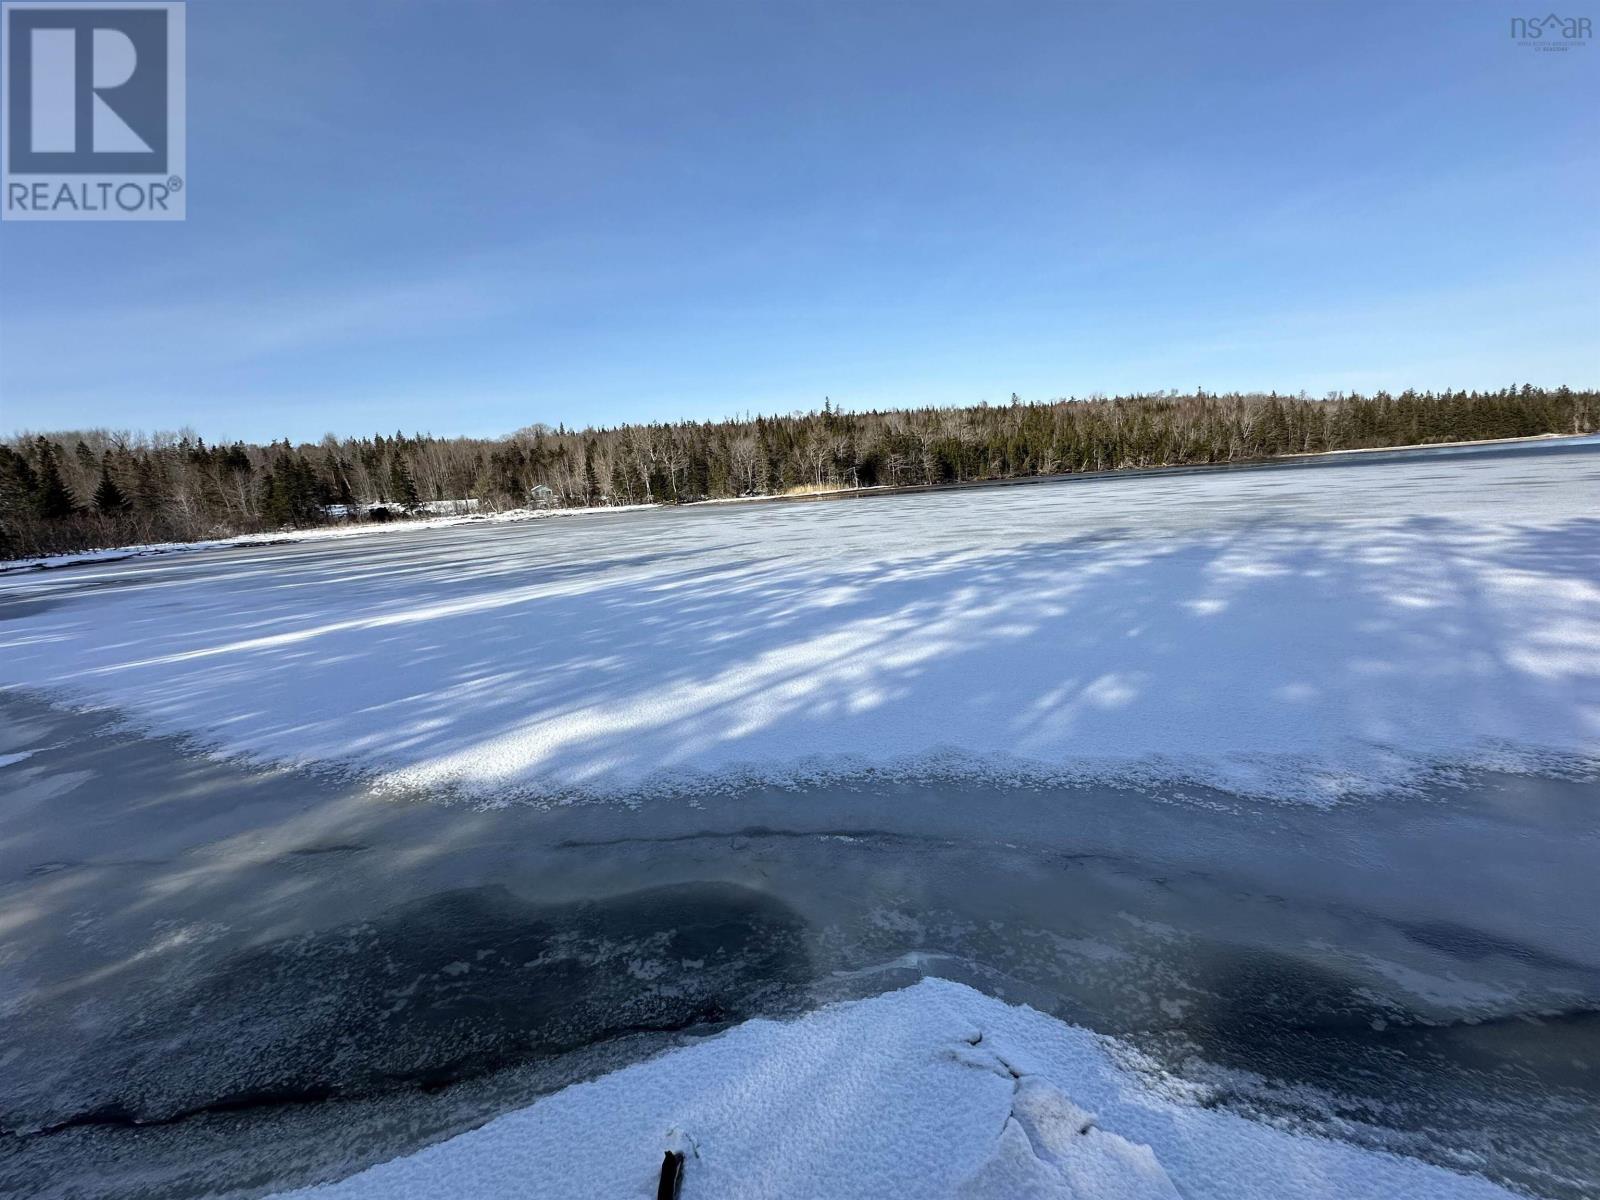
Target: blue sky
464 216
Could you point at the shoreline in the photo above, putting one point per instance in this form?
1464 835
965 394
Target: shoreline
112 554
1299 458
284 537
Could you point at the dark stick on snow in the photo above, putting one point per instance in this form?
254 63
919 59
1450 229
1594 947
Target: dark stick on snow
671 1176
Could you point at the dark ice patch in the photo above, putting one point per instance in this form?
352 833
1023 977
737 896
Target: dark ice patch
433 992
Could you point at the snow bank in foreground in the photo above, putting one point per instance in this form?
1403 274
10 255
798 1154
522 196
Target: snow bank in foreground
932 1091
334 533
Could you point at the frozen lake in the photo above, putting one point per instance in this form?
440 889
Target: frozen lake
1283 776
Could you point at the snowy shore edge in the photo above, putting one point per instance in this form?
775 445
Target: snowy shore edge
932 1091
287 536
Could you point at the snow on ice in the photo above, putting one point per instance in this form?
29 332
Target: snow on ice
1300 634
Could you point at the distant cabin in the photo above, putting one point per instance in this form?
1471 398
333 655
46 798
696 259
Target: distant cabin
542 497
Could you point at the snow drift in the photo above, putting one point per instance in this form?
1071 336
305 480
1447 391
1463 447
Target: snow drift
934 1091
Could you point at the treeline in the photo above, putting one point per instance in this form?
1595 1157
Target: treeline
96 488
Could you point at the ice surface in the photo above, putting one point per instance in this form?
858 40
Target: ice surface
1297 633
932 1091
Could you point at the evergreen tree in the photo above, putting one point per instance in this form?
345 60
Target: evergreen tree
108 497
591 480
17 486
18 483
149 485
401 483
51 498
